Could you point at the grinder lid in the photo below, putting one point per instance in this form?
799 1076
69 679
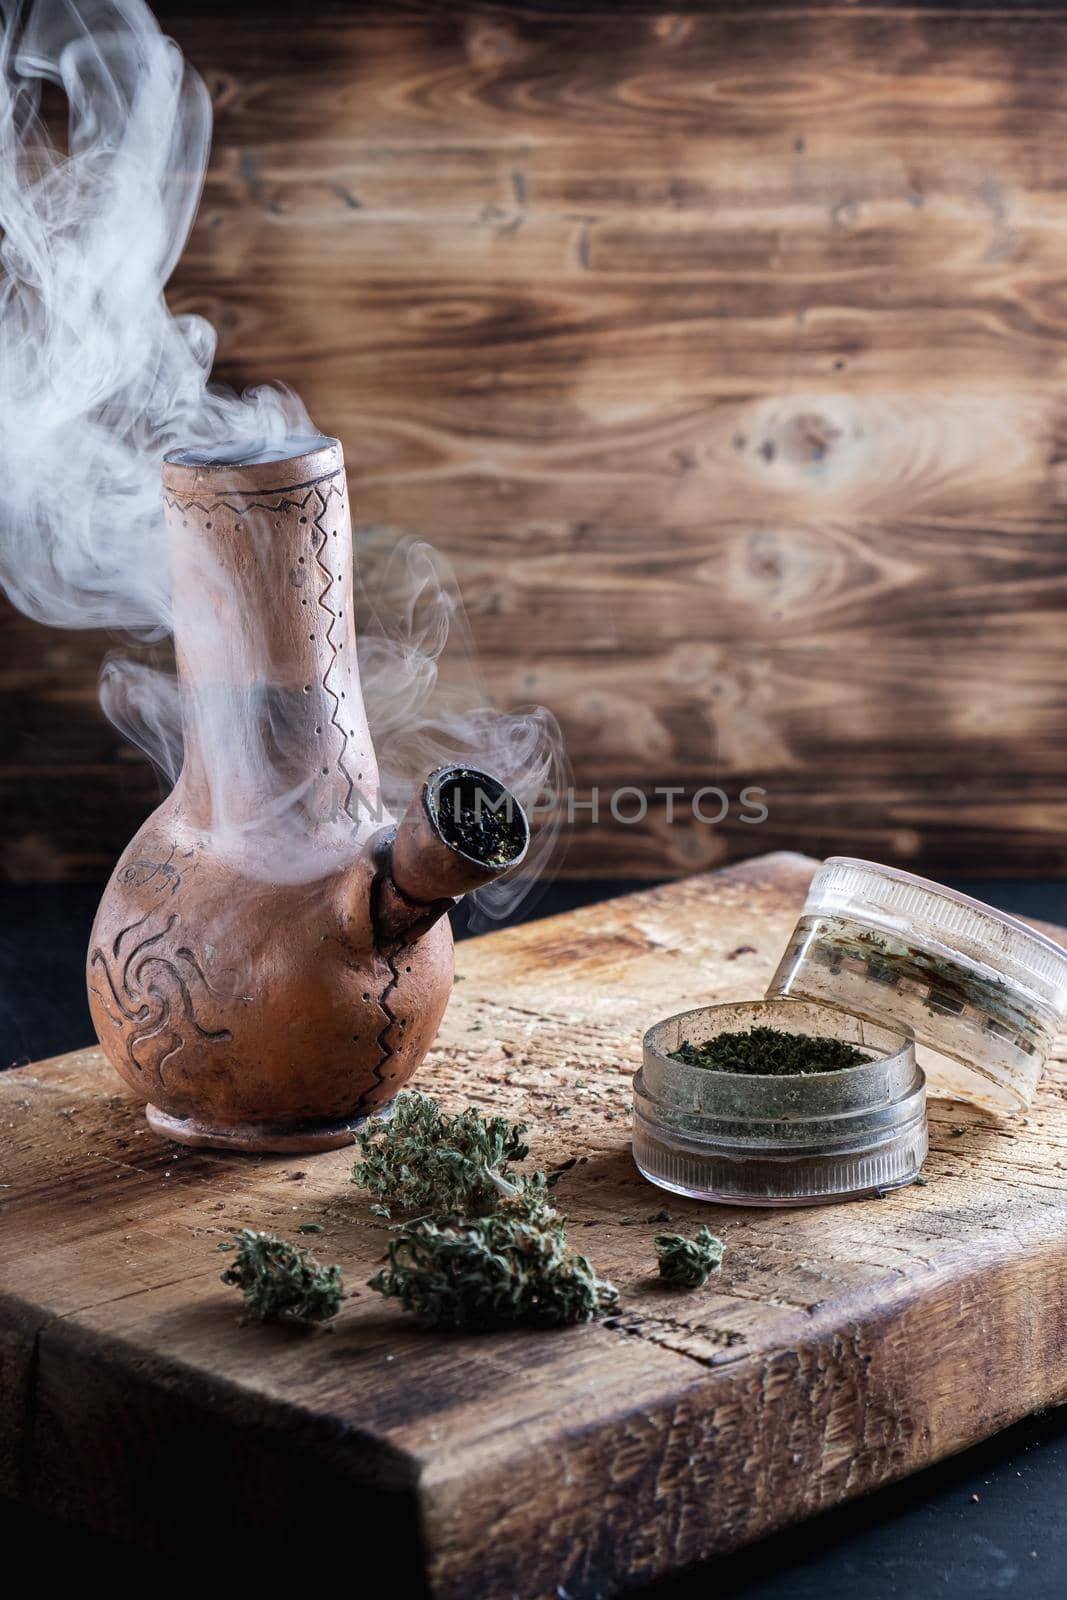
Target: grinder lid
983 994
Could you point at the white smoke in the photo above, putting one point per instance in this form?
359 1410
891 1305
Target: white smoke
412 626
98 381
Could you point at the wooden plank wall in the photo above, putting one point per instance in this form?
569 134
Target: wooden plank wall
721 350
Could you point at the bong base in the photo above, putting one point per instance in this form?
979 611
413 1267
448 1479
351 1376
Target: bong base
258 1137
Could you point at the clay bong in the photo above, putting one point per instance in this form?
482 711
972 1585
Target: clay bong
270 960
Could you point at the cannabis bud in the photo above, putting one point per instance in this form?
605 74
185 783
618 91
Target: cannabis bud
688 1263
488 1250
425 1161
282 1280
492 1272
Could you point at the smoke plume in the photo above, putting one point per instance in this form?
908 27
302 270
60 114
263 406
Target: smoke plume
98 381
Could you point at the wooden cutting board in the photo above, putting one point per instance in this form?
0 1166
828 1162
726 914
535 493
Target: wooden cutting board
839 1348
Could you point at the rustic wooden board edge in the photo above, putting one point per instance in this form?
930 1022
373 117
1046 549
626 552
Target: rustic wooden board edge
197 1456
666 1477
793 1408
519 1521
367 1458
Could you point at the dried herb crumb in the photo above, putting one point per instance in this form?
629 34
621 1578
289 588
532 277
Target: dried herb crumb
281 1280
688 1263
770 1052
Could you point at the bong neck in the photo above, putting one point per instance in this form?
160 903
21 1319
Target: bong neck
272 710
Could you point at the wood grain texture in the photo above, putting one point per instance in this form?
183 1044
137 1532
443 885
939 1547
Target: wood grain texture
722 350
838 1349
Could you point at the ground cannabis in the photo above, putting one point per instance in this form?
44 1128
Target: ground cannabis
422 1160
688 1263
281 1280
476 1274
770 1053
464 805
